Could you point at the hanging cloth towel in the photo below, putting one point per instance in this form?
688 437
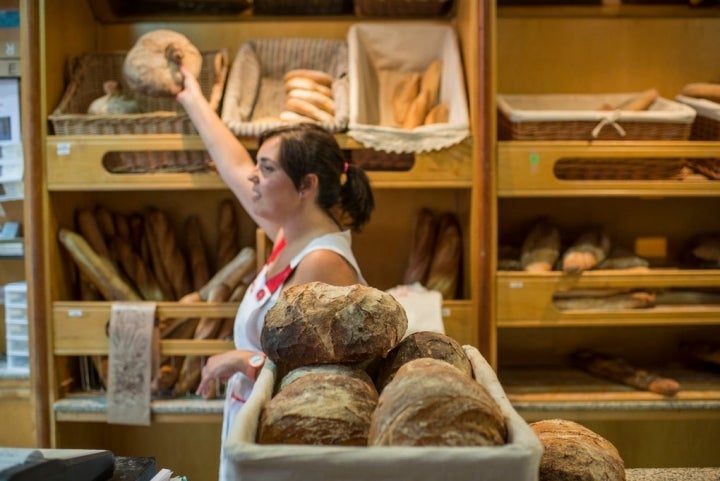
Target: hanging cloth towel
130 362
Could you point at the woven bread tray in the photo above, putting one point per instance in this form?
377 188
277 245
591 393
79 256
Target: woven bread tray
371 159
310 7
579 117
403 8
86 75
620 169
255 91
707 121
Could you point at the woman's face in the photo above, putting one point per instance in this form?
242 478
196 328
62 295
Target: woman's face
274 194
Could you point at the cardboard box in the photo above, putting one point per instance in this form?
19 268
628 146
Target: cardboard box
517 460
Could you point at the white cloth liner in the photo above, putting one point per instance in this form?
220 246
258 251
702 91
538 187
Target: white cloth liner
379 56
704 107
423 307
130 362
517 460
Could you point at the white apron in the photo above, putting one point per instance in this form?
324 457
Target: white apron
260 296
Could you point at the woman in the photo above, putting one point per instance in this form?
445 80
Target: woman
305 196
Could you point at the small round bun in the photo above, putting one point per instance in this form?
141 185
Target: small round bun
152 66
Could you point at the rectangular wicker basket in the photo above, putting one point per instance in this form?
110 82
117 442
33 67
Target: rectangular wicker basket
310 7
255 90
579 117
86 74
707 122
403 8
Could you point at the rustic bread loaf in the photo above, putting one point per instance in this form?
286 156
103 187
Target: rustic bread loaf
422 344
432 403
152 66
329 405
444 271
574 452
317 323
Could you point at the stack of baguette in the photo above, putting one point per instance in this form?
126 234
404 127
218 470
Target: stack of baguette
142 256
416 98
435 253
308 97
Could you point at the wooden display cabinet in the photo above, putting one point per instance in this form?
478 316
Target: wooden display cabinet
184 435
608 49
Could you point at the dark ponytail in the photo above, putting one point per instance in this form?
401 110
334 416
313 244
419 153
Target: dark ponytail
344 190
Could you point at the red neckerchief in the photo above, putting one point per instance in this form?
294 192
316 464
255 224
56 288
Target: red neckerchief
273 283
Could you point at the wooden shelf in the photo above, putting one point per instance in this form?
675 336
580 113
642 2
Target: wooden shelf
546 391
526 168
74 163
526 299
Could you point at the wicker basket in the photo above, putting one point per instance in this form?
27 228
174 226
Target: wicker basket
620 169
161 115
310 7
707 122
578 117
370 159
255 91
403 8
709 167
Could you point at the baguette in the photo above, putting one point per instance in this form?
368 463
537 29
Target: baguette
703 90
228 324
587 252
405 92
199 265
227 233
541 247
430 82
444 271
421 247
97 269
417 111
231 274
136 271
319 76
642 101
89 228
439 114
172 260
620 370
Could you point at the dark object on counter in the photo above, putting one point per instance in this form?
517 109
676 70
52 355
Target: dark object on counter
20 464
620 370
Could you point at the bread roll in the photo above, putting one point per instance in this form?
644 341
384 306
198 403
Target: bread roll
317 323
152 66
306 108
703 90
319 76
417 111
307 84
574 452
587 252
318 99
541 247
325 407
432 403
422 344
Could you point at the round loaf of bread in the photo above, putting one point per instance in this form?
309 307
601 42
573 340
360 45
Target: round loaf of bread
573 452
152 66
433 403
316 323
325 406
422 344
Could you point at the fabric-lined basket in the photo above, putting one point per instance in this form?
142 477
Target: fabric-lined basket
160 115
403 8
580 117
293 7
707 122
255 91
